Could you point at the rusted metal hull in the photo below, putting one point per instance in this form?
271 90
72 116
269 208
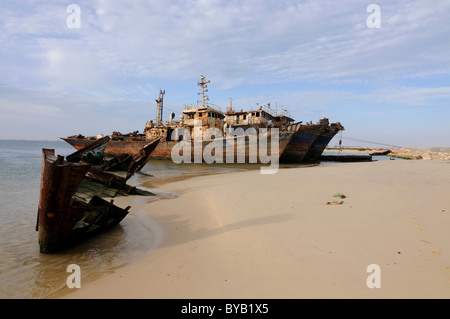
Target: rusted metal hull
70 207
131 163
131 146
163 150
240 149
300 143
323 139
92 153
56 215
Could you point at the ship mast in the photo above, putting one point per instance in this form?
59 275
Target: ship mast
159 107
203 83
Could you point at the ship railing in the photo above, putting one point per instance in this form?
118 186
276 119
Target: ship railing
199 105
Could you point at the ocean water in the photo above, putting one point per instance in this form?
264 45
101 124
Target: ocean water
25 273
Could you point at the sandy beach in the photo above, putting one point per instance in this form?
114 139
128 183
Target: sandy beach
248 235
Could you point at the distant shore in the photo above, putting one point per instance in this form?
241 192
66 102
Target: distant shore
308 232
418 153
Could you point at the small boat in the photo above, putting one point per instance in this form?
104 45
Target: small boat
72 204
347 158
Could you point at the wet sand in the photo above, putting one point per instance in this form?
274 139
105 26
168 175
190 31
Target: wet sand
247 235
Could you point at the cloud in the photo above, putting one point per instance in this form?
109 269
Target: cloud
48 114
320 55
246 41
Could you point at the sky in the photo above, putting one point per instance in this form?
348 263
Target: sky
95 67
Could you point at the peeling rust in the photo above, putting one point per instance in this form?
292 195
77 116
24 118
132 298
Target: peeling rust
71 204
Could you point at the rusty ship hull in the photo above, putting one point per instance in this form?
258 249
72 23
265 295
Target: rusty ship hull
300 143
163 150
128 145
295 139
72 205
131 146
323 139
64 219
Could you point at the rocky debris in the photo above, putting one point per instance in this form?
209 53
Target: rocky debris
413 154
430 153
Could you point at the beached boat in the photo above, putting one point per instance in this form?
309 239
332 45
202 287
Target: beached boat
323 139
202 122
300 143
264 116
72 204
347 158
199 121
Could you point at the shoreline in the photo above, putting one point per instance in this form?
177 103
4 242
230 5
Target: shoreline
407 153
246 235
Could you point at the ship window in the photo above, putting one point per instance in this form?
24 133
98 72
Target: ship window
257 113
244 116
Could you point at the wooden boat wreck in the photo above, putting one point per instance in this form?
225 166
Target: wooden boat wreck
73 204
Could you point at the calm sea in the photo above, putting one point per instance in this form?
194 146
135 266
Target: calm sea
25 273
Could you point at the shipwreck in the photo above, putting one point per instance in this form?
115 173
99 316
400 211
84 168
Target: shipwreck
77 194
299 142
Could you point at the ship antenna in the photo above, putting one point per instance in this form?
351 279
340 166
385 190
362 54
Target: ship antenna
159 107
204 86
